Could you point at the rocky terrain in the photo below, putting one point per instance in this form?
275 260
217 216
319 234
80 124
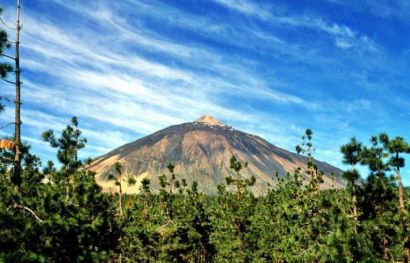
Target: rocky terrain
201 151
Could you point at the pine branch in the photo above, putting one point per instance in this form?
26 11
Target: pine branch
166 224
30 211
6 98
6 25
7 159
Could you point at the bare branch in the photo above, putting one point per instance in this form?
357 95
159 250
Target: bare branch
4 126
8 81
7 159
4 23
76 205
30 211
6 98
7 56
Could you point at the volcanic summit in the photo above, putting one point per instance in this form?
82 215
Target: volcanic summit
201 152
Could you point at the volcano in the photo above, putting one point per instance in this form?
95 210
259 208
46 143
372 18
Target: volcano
201 152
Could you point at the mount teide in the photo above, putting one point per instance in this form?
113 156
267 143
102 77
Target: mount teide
201 151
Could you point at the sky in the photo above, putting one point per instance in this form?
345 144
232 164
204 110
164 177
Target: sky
271 68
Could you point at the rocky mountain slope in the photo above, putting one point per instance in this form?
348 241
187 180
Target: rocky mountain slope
201 151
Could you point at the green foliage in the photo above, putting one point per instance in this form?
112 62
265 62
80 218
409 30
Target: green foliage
230 214
68 145
61 214
352 152
5 67
57 215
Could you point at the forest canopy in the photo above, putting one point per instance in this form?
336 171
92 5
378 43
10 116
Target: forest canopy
61 215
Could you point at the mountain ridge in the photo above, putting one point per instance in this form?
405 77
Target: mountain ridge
201 151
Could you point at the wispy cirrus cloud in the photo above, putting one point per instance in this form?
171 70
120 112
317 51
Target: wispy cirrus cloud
399 9
124 91
128 68
344 36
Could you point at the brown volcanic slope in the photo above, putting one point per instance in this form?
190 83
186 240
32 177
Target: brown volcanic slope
201 151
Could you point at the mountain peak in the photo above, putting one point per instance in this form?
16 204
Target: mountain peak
201 151
208 119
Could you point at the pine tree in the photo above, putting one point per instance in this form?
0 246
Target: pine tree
379 198
6 68
351 156
396 147
117 180
42 223
68 145
231 217
78 223
240 183
315 176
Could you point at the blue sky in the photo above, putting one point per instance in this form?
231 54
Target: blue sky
272 68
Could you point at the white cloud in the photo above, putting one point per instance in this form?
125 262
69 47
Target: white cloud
246 7
132 80
345 37
118 89
343 43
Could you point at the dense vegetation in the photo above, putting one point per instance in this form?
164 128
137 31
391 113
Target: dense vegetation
61 215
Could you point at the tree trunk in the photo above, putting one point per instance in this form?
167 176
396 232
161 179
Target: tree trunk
238 192
385 248
401 193
120 200
17 157
354 201
67 191
407 249
385 241
202 254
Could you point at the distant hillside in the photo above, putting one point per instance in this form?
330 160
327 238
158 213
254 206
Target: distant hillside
201 151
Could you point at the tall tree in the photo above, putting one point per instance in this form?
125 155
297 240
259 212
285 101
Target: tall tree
314 174
351 156
17 157
307 148
68 145
378 207
396 147
231 214
240 183
376 158
4 69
